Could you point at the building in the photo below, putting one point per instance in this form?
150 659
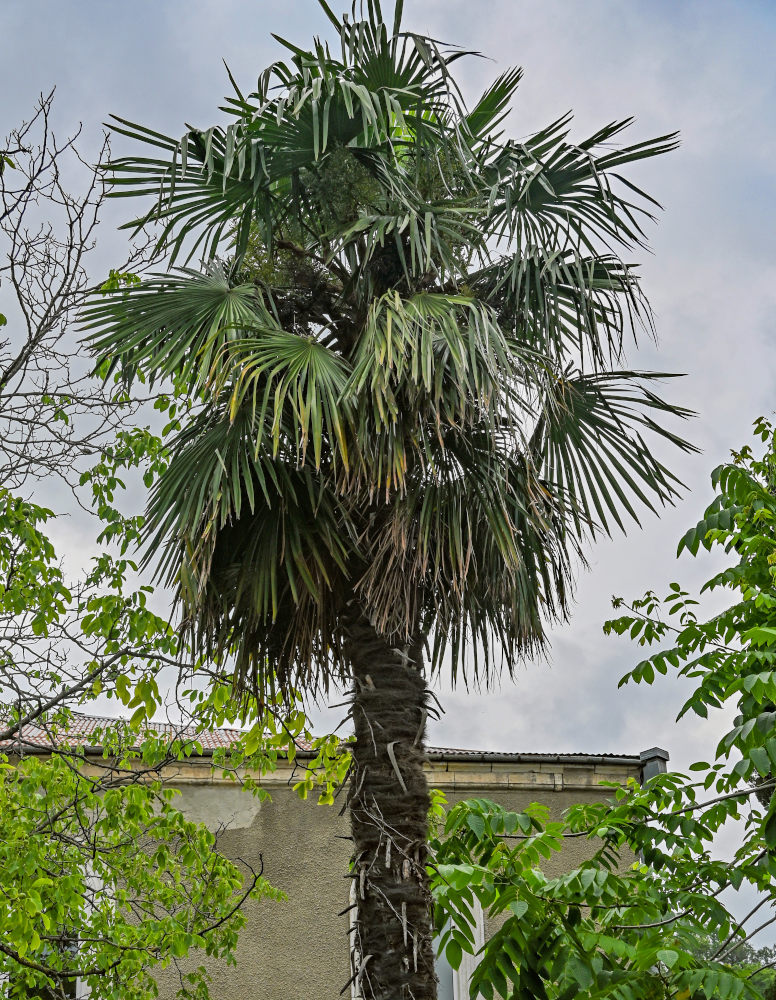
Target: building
299 949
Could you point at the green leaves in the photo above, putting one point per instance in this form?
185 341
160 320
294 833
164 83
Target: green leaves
769 832
400 363
716 518
33 584
646 912
493 107
668 958
78 899
106 904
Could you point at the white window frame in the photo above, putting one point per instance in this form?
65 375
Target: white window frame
462 976
96 887
82 990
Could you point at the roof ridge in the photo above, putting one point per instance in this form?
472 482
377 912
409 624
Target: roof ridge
37 736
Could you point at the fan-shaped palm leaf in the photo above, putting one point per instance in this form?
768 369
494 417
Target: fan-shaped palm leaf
409 404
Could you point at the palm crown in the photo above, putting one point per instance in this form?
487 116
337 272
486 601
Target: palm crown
405 355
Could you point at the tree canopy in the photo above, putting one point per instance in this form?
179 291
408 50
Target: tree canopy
651 913
403 356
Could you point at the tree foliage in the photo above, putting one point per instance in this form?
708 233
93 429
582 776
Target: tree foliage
103 880
404 354
649 914
407 405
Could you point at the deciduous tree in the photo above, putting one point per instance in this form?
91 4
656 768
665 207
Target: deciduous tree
79 903
653 912
55 416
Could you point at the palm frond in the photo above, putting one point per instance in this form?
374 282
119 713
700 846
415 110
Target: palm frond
551 193
493 107
405 387
293 386
589 444
216 183
173 325
450 345
256 549
566 305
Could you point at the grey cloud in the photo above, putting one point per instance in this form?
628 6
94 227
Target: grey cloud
702 67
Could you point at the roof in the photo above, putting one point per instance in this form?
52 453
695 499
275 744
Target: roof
86 727
522 757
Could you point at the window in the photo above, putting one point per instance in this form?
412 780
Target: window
454 983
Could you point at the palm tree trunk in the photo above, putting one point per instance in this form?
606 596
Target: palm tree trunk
389 803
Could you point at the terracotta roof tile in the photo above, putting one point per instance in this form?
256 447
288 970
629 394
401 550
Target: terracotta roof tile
84 727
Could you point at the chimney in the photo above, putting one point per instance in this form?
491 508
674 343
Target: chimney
653 761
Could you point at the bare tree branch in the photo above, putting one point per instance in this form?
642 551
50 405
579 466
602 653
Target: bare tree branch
53 412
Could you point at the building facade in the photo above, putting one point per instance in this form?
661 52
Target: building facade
299 949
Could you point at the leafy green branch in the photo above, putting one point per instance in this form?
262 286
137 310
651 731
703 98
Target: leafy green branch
648 914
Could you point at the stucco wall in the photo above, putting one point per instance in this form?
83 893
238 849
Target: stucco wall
298 950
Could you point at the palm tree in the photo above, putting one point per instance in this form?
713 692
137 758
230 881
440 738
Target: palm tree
405 355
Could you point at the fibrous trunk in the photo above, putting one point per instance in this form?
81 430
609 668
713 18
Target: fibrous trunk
389 803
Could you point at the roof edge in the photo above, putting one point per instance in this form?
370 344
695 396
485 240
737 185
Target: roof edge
494 757
439 755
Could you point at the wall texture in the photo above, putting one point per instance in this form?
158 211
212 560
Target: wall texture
298 949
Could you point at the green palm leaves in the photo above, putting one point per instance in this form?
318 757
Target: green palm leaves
406 380
383 92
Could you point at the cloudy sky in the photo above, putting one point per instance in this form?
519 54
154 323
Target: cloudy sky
701 66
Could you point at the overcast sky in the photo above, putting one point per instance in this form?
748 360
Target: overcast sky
700 66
